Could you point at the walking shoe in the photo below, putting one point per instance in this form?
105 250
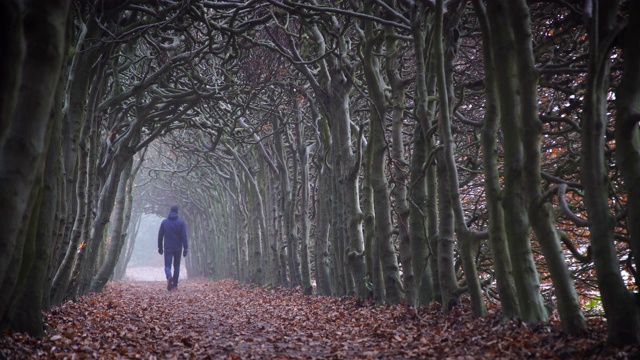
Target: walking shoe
169 287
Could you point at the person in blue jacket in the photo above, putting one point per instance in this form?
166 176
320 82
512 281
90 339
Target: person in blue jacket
174 233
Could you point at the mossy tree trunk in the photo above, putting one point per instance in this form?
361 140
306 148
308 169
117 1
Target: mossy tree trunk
444 56
288 184
79 110
257 224
620 306
626 128
25 312
53 185
374 265
324 199
61 279
117 232
541 212
497 233
527 281
13 49
423 211
132 234
399 163
376 169
418 195
420 250
303 152
38 43
449 290
332 86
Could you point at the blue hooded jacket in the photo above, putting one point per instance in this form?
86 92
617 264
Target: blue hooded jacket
174 232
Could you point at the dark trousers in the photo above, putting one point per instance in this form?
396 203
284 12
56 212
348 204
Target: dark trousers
172 256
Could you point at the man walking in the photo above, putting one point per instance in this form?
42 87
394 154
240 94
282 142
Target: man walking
174 232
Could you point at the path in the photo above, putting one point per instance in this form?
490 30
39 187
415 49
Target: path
226 320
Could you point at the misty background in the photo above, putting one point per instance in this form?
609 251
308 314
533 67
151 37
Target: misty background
145 263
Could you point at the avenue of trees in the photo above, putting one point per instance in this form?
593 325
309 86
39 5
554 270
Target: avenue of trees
405 151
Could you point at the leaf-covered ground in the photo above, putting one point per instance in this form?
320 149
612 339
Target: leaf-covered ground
226 320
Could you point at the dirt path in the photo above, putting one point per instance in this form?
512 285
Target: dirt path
226 320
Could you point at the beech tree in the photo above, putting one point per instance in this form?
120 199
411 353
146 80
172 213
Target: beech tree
618 302
35 47
379 144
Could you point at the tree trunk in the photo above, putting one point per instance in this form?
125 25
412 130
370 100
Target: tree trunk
626 131
69 275
79 109
287 204
323 276
256 273
347 168
23 138
420 253
106 200
305 223
339 265
257 225
351 248
374 266
262 217
26 314
22 262
446 272
399 169
621 309
429 123
132 234
62 277
541 214
332 86
497 234
13 49
433 216
378 142
444 69
293 205
54 193
323 225
424 215
241 223
525 272
280 272
382 210
117 232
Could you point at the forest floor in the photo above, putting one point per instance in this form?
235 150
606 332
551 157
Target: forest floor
227 320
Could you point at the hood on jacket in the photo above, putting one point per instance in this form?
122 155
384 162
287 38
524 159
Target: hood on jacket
173 215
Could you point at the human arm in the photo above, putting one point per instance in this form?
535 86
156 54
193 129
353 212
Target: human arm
185 241
160 238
